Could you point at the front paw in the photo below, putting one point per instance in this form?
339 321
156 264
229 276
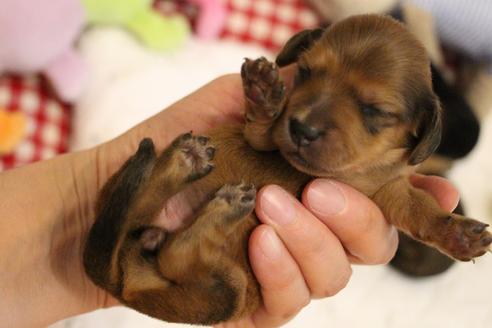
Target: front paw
464 239
263 88
196 154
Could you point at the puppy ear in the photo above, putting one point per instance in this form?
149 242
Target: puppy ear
460 125
296 45
428 130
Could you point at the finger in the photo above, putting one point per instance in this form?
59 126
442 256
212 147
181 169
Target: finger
282 286
441 189
354 219
318 252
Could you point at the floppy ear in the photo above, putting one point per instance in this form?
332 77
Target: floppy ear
428 132
296 45
460 125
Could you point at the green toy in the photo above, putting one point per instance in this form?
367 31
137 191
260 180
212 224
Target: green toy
156 31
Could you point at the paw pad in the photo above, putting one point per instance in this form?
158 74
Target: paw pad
466 238
262 87
241 197
197 154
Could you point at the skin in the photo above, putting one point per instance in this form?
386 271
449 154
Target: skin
47 209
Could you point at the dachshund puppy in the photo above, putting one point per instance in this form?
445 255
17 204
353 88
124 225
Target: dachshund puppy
361 111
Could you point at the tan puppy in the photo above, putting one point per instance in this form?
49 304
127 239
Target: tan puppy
362 111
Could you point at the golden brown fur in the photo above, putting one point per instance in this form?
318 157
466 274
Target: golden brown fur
361 111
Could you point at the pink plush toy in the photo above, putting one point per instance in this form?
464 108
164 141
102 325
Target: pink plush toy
211 19
39 36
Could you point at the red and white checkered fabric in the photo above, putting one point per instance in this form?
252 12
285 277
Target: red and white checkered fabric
48 121
269 23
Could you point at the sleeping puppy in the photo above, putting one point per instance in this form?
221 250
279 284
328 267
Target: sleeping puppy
361 111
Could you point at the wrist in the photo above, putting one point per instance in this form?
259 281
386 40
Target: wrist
46 209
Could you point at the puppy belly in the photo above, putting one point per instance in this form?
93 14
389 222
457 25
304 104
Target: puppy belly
180 210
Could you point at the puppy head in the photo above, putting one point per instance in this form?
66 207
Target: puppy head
362 98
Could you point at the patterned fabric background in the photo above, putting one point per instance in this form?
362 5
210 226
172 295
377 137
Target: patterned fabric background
48 120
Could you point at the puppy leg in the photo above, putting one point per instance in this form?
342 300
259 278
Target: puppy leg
265 100
187 159
416 213
193 278
133 197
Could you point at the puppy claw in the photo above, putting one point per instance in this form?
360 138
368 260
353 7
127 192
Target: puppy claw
479 228
465 239
187 136
202 140
486 241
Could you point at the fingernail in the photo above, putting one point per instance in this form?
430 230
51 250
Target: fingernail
325 197
270 244
277 205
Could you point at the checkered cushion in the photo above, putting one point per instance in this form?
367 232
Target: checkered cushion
47 119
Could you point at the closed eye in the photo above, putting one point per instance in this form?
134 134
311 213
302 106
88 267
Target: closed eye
376 119
371 111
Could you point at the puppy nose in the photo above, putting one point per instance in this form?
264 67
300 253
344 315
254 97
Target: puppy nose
301 133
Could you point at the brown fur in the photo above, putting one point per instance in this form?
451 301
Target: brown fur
361 111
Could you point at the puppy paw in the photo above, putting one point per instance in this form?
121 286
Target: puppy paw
240 199
224 212
464 239
196 154
263 89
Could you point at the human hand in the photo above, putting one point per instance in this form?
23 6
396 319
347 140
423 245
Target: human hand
304 250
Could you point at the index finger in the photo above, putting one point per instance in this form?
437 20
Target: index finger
441 189
354 219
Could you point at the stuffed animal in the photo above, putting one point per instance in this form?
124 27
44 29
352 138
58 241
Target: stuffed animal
12 130
39 36
154 30
211 19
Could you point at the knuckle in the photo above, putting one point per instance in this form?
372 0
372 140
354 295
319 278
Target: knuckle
316 245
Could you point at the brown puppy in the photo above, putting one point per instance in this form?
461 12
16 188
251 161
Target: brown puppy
362 111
